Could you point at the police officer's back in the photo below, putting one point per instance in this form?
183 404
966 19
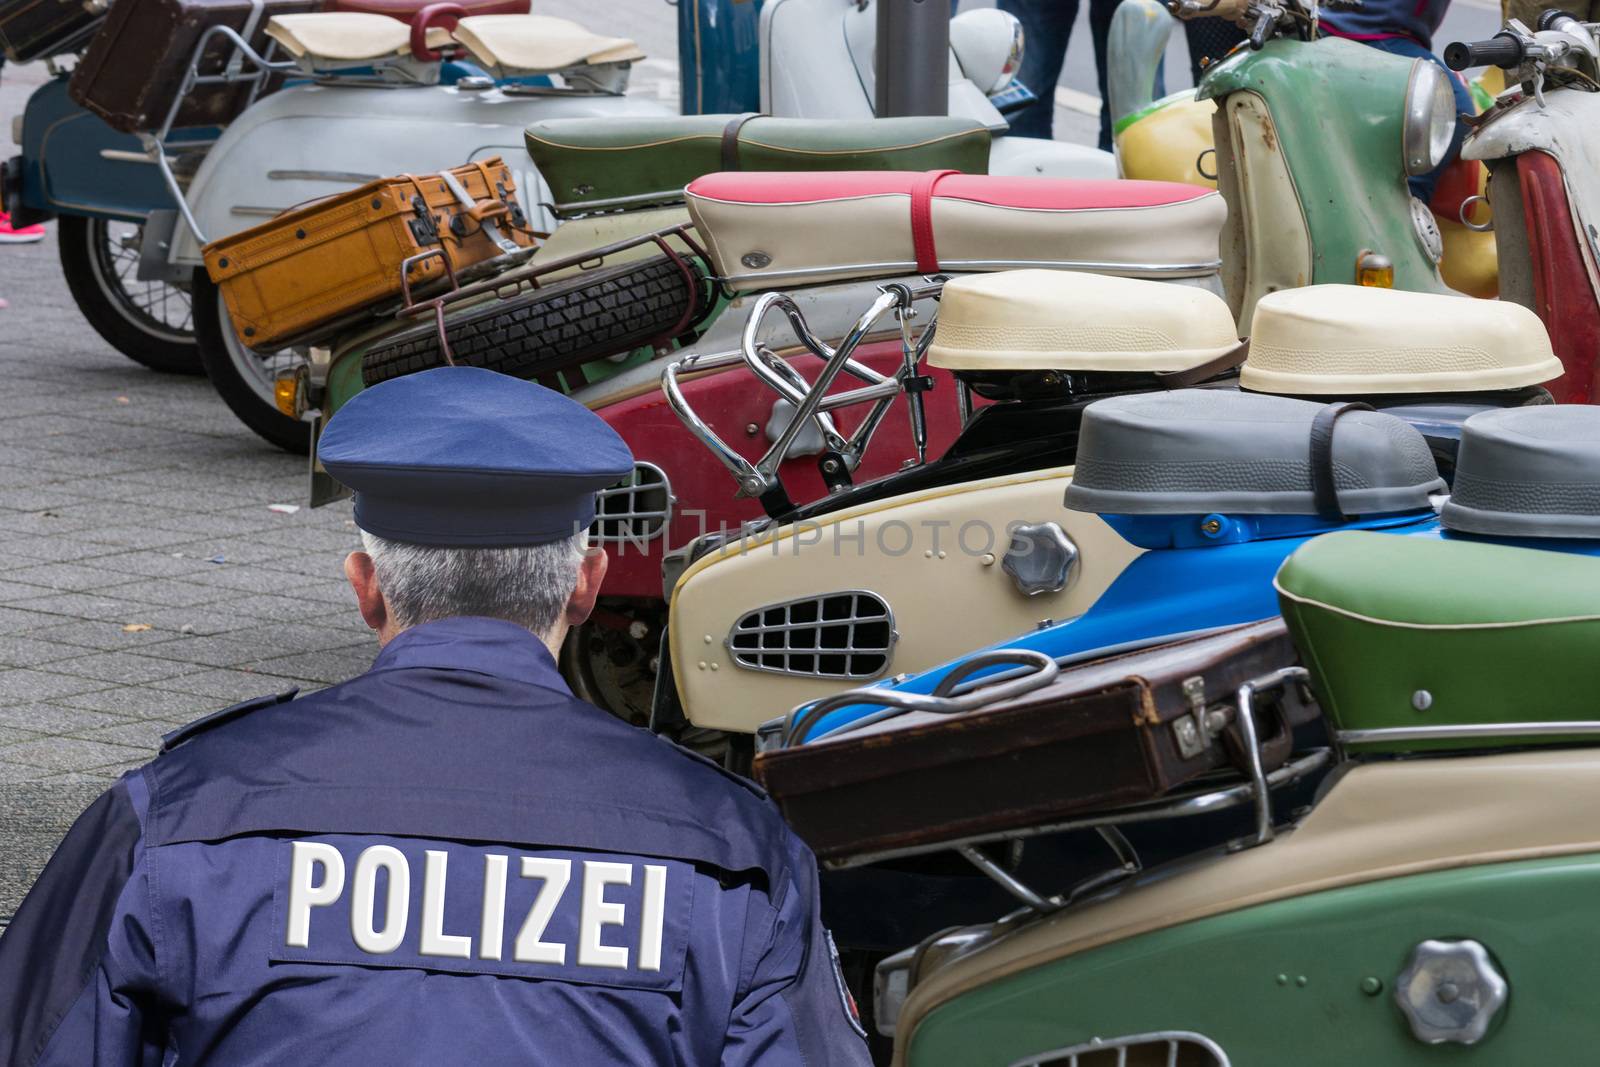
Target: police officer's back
449 859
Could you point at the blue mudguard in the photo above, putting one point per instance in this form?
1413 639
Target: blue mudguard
74 164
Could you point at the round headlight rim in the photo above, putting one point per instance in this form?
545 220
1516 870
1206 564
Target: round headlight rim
1429 120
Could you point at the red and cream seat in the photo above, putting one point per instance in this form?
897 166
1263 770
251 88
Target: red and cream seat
773 229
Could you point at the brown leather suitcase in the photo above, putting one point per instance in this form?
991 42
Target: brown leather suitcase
315 264
1103 735
133 69
36 29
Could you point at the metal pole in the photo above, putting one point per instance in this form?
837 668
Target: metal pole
913 58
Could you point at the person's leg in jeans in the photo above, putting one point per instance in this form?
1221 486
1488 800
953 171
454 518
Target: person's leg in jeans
1100 13
1422 186
1046 28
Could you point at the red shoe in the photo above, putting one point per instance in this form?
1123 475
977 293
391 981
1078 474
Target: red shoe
18 236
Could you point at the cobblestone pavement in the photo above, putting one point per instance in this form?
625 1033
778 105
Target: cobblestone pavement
144 580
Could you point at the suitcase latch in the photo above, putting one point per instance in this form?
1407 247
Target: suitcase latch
1195 731
423 228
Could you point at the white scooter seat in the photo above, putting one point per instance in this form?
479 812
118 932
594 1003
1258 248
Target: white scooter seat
328 40
794 228
1352 340
1041 320
539 44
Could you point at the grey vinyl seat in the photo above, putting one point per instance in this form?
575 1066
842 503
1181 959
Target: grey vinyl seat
1196 451
1528 472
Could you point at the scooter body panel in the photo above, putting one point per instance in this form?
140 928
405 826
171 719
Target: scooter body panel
74 164
933 559
733 403
1549 252
1343 160
1290 952
310 141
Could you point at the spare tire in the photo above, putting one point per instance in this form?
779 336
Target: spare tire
591 315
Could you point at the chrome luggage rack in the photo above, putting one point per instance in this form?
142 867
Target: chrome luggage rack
812 401
958 694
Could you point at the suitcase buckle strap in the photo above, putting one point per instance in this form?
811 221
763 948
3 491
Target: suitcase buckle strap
484 212
424 228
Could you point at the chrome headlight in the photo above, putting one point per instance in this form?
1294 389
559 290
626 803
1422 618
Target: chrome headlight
1430 119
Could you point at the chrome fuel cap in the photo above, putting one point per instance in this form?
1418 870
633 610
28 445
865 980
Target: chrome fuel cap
1450 991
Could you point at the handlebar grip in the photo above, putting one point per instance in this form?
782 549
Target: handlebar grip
1502 50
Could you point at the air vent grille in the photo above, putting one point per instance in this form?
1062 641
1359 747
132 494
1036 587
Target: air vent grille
846 635
1167 1048
636 510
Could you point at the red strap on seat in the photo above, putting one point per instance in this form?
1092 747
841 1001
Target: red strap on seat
922 219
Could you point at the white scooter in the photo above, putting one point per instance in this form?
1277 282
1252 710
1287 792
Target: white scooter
806 74
371 112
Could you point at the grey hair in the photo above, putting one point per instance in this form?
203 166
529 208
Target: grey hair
529 586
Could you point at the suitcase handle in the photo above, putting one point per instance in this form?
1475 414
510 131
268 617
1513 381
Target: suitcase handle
423 21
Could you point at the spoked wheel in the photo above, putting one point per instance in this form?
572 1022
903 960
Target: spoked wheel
243 377
151 323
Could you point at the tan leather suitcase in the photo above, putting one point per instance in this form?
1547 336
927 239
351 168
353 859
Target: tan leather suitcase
317 264
1102 736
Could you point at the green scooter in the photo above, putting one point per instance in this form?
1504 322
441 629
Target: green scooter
1315 194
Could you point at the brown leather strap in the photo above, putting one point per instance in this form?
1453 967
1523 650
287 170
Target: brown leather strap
1324 490
730 139
922 219
1184 379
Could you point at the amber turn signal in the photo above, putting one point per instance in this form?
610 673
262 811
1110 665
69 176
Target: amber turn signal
285 393
1375 270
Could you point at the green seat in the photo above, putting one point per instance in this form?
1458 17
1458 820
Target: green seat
599 164
1431 644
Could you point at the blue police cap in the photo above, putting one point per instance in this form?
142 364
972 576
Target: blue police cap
461 456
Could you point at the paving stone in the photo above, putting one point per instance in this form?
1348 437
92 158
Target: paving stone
230 686
30 652
55 719
137 702
106 636
121 668
67 754
329 667
73 576
26 684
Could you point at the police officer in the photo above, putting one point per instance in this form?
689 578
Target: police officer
449 859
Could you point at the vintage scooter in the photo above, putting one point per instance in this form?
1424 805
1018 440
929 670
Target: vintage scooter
1002 546
102 186
989 45
1539 142
1171 139
1421 908
814 59
755 237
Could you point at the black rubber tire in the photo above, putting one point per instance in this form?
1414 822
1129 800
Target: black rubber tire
211 329
592 315
79 242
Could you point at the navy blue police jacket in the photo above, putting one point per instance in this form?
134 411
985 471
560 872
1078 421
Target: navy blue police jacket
449 859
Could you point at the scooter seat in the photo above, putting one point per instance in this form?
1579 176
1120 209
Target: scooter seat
1198 451
779 228
1043 320
1351 340
405 10
330 38
537 44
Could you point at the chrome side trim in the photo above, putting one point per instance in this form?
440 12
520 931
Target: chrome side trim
343 176
768 279
1470 731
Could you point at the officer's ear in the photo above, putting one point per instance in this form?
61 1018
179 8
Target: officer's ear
363 576
590 574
